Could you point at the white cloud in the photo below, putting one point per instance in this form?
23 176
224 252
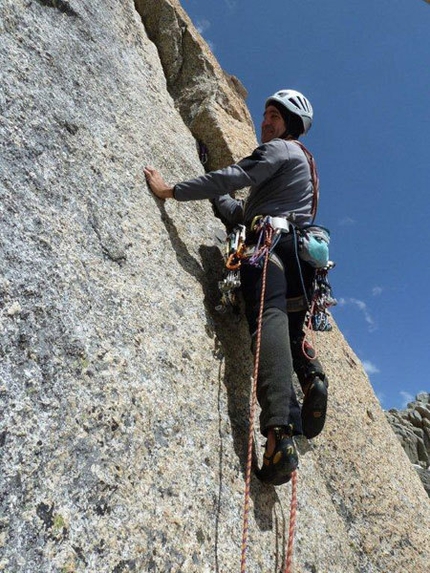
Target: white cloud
369 367
362 307
377 290
407 397
231 3
202 25
211 46
346 221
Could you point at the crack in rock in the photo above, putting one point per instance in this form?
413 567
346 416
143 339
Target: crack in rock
61 5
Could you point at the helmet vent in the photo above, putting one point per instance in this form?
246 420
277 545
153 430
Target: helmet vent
300 103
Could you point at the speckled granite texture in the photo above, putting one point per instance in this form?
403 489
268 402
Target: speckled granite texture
124 395
210 101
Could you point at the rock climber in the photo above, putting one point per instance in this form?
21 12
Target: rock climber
281 183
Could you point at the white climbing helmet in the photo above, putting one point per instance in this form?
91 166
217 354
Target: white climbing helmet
296 103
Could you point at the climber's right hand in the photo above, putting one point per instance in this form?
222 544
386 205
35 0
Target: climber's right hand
157 184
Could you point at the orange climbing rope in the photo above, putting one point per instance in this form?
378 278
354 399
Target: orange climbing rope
310 331
292 526
253 403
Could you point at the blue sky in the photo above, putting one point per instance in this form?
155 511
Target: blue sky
365 66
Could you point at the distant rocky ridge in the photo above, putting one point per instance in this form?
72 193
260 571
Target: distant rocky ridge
412 427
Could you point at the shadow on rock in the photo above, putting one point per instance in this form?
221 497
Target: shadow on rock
232 349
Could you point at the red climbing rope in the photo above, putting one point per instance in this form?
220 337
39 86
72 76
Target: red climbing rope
253 403
314 176
310 331
292 526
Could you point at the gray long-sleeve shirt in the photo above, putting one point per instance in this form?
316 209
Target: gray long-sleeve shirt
280 181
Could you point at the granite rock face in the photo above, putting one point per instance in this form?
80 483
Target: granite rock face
412 427
211 102
124 394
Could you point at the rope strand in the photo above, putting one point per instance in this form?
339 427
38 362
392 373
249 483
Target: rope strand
291 529
314 177
253 404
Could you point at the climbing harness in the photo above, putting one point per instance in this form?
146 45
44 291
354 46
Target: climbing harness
236 251
265 245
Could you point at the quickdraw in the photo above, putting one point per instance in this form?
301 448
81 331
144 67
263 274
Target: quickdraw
235 248
322 300
318 318
234 253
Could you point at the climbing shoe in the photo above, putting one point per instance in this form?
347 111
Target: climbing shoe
314 384
278 467
314 407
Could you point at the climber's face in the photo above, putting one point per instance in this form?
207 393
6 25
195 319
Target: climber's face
273 124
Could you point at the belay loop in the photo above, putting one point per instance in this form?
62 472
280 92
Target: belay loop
266 242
